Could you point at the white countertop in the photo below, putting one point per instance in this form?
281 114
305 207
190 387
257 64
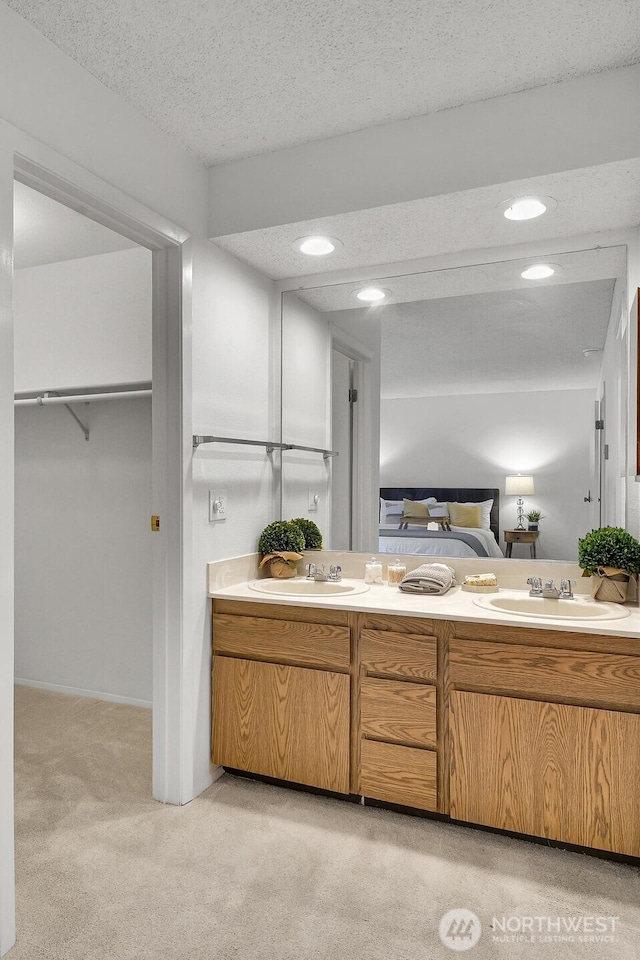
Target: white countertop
456 604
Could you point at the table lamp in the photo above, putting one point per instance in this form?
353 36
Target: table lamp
519 486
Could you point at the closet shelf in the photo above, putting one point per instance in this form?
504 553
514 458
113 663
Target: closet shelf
270 445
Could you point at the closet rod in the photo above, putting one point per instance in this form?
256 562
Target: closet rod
269 444
47 398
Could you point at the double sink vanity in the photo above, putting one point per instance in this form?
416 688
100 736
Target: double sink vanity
514 712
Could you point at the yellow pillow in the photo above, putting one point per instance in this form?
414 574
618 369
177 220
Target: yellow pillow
412 508
462 515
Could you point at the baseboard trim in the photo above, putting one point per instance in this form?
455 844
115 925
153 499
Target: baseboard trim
78 692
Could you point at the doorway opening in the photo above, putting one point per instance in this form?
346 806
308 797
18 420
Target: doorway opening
138 233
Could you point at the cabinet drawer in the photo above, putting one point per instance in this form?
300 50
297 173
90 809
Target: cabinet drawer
398 774
303 644
398 711
406 656
281 721
571 676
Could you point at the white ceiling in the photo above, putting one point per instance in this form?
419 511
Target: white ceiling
230 79
46 231
584 266
496 342
605 197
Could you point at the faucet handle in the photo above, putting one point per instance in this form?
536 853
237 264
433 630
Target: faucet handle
312 570
566 589
536 585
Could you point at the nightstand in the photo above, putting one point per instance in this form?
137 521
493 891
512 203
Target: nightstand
521 536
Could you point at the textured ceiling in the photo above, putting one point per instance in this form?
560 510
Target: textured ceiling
602 263
495 342
46 231
598 198
234 78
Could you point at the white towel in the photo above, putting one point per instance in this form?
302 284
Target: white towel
434 578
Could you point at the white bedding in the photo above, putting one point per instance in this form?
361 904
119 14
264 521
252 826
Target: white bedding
441 547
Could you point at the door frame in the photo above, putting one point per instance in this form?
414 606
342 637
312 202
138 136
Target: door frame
170 439
366 441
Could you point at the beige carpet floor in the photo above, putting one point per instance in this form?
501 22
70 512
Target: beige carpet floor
256 872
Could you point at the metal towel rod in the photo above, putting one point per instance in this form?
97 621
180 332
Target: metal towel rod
270 445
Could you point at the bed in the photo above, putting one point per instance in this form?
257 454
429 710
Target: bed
435 540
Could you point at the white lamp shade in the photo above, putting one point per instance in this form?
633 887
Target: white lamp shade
519 486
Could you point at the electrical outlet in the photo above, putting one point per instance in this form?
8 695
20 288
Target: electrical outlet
314 499
217 505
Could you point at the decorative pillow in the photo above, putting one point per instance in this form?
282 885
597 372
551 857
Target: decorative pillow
416 508
438 509
486 506
465 515
390 508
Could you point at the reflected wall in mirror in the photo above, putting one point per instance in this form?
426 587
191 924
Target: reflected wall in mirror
482 375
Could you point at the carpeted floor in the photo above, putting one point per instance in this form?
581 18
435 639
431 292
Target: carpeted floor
254 872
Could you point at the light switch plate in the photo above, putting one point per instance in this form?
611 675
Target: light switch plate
217 505
314 499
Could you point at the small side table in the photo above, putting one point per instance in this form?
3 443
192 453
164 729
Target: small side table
521 536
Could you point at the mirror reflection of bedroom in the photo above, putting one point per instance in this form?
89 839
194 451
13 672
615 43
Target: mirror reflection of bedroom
500 422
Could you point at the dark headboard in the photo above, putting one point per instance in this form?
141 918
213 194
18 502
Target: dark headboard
453 495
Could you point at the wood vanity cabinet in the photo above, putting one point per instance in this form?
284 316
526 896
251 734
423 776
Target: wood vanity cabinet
281 692
545 735
398 742
535 731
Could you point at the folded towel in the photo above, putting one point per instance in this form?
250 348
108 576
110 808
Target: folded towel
434 578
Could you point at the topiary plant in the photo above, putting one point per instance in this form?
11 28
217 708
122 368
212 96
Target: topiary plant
310 532
609 547
281 535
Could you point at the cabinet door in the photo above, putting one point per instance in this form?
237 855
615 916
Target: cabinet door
546 769
280 721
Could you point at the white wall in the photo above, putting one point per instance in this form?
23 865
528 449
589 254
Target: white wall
476 440
236 362
306 410
83 550
84 322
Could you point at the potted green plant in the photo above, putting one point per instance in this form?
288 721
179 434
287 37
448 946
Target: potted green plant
310 532
534 517
611 556
280 544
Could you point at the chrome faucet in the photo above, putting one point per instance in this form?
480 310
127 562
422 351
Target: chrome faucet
536 586
549 591
319 575
566 590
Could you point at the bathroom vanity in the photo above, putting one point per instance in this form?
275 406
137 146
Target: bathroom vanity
438 704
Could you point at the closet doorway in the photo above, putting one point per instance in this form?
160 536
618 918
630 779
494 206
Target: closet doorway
148 673
83 455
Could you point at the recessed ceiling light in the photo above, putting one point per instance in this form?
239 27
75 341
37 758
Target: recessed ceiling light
371 294
316 246
538 271
591 351
527 208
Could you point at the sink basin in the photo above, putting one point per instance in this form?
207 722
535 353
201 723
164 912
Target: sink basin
301 587
577 609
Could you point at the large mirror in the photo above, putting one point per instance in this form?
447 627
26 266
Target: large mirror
463 377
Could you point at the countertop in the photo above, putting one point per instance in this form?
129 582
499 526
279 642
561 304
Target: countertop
456 604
